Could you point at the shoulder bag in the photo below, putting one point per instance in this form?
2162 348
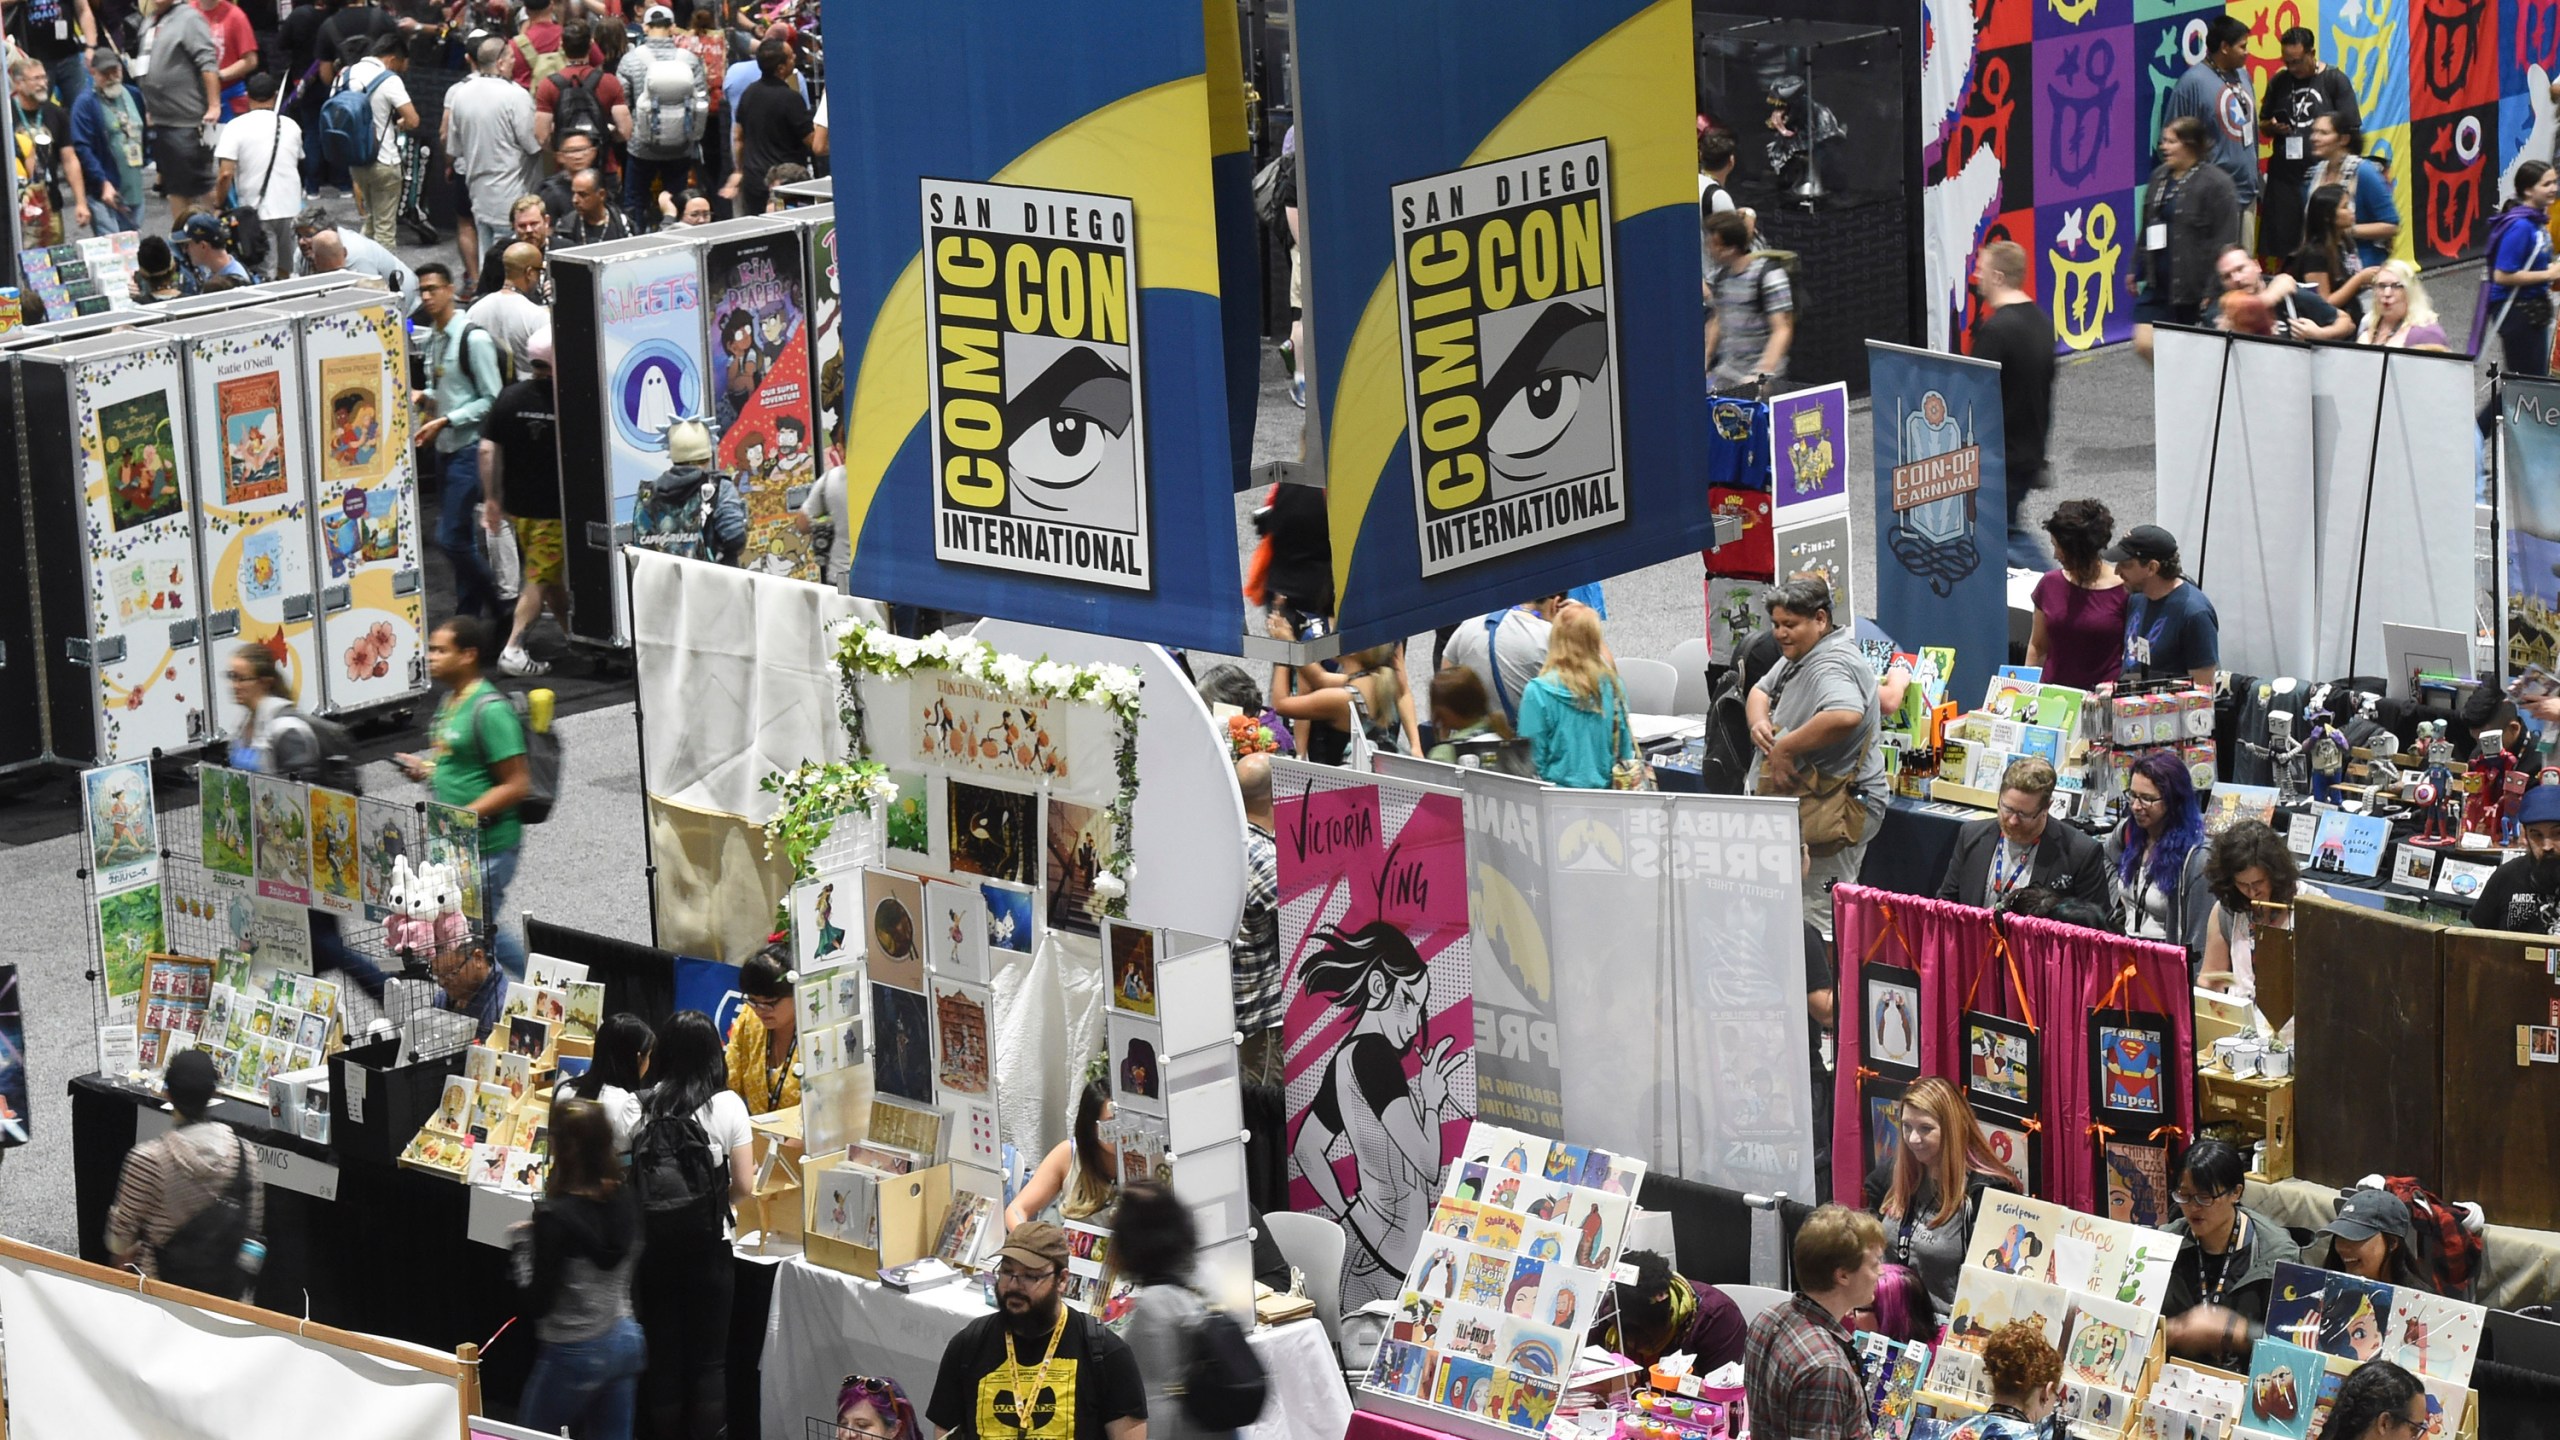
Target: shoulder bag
1829 815
1630 772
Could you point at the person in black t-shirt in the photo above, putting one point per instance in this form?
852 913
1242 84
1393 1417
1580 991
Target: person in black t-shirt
2297 94
348 37
1037 1370
2523 895
520 488
2014 331
772 127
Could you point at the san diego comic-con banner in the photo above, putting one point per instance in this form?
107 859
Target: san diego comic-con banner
1035 340
1501 277
1378 977
1942 516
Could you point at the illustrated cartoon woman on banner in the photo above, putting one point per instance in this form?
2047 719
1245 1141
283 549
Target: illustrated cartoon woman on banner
1366 1105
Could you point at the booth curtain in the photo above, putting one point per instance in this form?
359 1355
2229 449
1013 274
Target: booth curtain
2038 971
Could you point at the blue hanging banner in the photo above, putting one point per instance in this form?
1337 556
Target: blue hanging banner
1501 275
1036 356
1942 516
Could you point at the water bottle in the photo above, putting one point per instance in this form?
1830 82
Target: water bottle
253 1255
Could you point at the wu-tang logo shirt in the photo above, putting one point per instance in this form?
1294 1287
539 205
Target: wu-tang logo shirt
992 1389
1015 1402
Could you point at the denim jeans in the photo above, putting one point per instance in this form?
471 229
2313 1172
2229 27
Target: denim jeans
108 219
2026 547
475 590
69 75
497 872
587 1385
330 951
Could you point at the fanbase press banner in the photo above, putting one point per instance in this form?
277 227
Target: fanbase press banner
1379 974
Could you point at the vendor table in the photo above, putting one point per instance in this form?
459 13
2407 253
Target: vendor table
368 1247
1369 1425
826 1324
2517 1267
1912 846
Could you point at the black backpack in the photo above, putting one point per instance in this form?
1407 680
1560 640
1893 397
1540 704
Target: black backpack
1223 1385
541 760
676 1171
334 766
575 108
204 1254
1728 759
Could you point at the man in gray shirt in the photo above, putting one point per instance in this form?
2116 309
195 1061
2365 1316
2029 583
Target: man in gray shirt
181 94
489 146
1814 723
2216 90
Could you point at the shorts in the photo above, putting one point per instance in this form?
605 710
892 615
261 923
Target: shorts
186 166
1297 280
538 546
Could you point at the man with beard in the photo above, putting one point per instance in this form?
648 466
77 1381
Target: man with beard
2524 895
1037 1370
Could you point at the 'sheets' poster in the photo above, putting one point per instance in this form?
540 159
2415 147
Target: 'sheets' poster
652 322
1379 979
761 402
252 414
1506 277
1039 435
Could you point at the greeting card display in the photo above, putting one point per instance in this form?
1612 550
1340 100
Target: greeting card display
2357 1320
893 928
1889 1007
2284 1386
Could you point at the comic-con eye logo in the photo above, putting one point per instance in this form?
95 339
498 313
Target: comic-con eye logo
1506 292
1039 417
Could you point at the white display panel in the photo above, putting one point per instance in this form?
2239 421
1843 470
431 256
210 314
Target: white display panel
354 364
253 498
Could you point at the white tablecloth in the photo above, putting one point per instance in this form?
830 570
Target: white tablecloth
825 1325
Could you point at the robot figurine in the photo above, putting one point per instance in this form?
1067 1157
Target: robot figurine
2328 757
2492 811
2284 755
2440 798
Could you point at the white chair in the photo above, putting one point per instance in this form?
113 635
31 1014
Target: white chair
1690 659
1751 1300
1313 1246
1652 686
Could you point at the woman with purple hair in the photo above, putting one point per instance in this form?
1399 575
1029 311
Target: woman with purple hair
2158 857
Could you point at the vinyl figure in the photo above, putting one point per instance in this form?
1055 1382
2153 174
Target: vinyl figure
2490 810
2285 754
2328 758
2440 798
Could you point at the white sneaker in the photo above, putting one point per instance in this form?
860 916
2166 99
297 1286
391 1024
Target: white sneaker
514 661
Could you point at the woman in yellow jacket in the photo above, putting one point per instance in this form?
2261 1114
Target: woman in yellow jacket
761 1039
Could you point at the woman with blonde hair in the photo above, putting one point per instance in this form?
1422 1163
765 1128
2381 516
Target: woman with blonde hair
1325 700
1929 1192
2401 317
1574 715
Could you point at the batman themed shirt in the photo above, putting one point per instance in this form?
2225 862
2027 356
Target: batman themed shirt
993 1386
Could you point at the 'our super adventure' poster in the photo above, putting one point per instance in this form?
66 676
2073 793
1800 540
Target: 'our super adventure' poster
1036 371
1504 333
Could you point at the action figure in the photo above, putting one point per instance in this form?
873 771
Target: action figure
2284 755
2328 747
2440 798
2491 769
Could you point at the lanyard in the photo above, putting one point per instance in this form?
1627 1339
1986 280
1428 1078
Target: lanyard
2231 1254
2005 876
1039 1378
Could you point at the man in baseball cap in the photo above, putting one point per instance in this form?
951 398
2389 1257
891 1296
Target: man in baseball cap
2170 628
2372 1237
1037 1369
2524 894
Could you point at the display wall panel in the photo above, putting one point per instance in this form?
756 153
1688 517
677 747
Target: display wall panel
109 461
2501 1117
2369 992
21 689
244 414
353 358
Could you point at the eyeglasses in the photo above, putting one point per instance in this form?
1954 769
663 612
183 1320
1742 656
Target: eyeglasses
768 1002
2196 1202
2147 802
2414 1427
2011 812
1007 1275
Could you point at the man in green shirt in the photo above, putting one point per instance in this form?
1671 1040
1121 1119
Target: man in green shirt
478 765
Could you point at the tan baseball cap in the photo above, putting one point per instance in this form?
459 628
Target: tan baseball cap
1036 1242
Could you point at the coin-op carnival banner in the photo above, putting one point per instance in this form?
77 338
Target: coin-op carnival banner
1034 348
1502 299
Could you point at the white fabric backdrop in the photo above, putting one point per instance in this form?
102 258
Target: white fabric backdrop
2259 559
2419 523
99 1363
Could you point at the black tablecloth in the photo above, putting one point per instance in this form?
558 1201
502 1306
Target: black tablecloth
1910 852
389 1256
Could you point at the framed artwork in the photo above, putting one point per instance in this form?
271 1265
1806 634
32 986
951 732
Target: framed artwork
1880 1120
2129 1062
894 931
2134 1180
1889 1001
1999 1063
1132 960
2015 1143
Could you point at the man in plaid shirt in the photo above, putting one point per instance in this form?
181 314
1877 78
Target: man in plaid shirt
1798 1373
1257 947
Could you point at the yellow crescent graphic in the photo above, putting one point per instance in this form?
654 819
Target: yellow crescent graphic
1632 87
1508 929
1152 146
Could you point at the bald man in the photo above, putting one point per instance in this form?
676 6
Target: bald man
513 312
326 251
1257 949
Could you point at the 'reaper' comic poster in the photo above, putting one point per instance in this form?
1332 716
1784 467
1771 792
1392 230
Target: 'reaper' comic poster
1039 415
1507 293
762 401
1379 986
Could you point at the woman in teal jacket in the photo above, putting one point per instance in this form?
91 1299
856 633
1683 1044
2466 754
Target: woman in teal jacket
1574 715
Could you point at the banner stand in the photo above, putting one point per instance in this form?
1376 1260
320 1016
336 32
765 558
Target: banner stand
2221 400
627 558
462 1367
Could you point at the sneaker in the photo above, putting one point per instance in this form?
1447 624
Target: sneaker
514 661
1298 391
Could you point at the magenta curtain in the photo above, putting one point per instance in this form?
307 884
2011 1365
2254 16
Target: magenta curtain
2052 976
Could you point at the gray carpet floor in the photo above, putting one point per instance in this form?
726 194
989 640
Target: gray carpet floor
584 868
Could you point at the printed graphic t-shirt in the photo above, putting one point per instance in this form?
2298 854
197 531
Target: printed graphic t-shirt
990 1390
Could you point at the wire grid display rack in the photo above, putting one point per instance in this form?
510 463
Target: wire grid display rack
210 912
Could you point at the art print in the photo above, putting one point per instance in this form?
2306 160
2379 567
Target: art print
2355 1317
1529 1348
2000 1063
2434 1335
334 865
893 928
384 840
1456 1219
352 446
1880 1109
823 908
907 821
1569 1298
1137 1063
1079 845
1596 1224
1437 1261
2014 1145
1498 1229
955 931
1469 1332
1481 1283
901 1044
762 395
2284 1388
453 838
994 833
124 828
1987 1300
137 450
1528 1405
527 1035
1544 1240
2132 1066
252 437
1520 1292
1130 954
2135 1181
131 929
1401 1368
963 1018
2293 1304
1891 1007
1466 1386
280 822
1010 930
224 803
2108 1344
